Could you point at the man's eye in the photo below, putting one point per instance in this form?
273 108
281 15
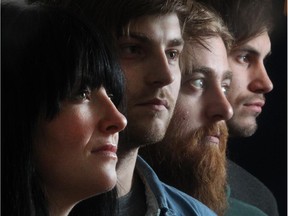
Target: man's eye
225 89
243 59
226 86
111 96
131 51
197 83
172 54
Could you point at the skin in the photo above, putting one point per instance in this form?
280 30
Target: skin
150 59
250 83
202 101
76 151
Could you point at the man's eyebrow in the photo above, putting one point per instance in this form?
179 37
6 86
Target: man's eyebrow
252 50
176 42
201 69
209 71
139 36
145 39
228 74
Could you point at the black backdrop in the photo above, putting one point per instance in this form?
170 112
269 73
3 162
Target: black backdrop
265 153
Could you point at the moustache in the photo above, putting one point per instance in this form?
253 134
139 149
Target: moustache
218 130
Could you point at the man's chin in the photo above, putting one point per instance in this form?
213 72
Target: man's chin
137 136
242 128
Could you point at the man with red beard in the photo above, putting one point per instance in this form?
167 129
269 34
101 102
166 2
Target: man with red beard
192 155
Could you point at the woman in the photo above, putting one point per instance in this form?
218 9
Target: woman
61 128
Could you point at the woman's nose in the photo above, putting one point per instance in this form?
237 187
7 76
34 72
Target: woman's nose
113 121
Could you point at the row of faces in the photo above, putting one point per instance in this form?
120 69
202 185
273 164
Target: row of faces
85 133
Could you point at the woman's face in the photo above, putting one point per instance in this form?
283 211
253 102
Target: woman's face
76 151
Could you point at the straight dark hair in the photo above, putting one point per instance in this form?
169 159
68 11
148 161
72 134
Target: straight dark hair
47 55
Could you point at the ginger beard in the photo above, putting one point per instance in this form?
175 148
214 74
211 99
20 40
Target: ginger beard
193 164
204 167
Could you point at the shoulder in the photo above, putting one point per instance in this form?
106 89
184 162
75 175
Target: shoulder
239 208
247 188
183 204
168 199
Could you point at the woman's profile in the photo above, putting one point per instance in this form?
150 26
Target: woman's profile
60 89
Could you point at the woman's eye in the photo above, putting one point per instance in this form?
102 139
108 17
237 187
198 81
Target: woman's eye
80 95
84 94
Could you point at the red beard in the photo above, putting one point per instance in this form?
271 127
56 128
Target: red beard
196 167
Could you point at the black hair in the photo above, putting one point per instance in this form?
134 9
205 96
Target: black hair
47 54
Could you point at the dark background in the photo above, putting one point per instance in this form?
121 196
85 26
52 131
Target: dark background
265 153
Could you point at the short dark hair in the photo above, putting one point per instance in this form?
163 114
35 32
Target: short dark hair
47 54
114 15
245 19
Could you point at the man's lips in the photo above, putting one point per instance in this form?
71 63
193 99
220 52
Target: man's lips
255 106
212 139
158 104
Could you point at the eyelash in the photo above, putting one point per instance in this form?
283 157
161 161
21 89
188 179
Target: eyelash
175 54
131 51
84 94
225 86
134 50
244 58
81 95
111 96
193 83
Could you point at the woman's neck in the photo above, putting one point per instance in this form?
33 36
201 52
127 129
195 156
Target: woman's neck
60 205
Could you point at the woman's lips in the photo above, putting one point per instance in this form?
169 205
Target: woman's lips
107 150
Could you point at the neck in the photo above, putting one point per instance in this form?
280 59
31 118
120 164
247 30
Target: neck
125 171
59 209
60 202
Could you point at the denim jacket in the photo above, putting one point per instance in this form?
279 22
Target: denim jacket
164 200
